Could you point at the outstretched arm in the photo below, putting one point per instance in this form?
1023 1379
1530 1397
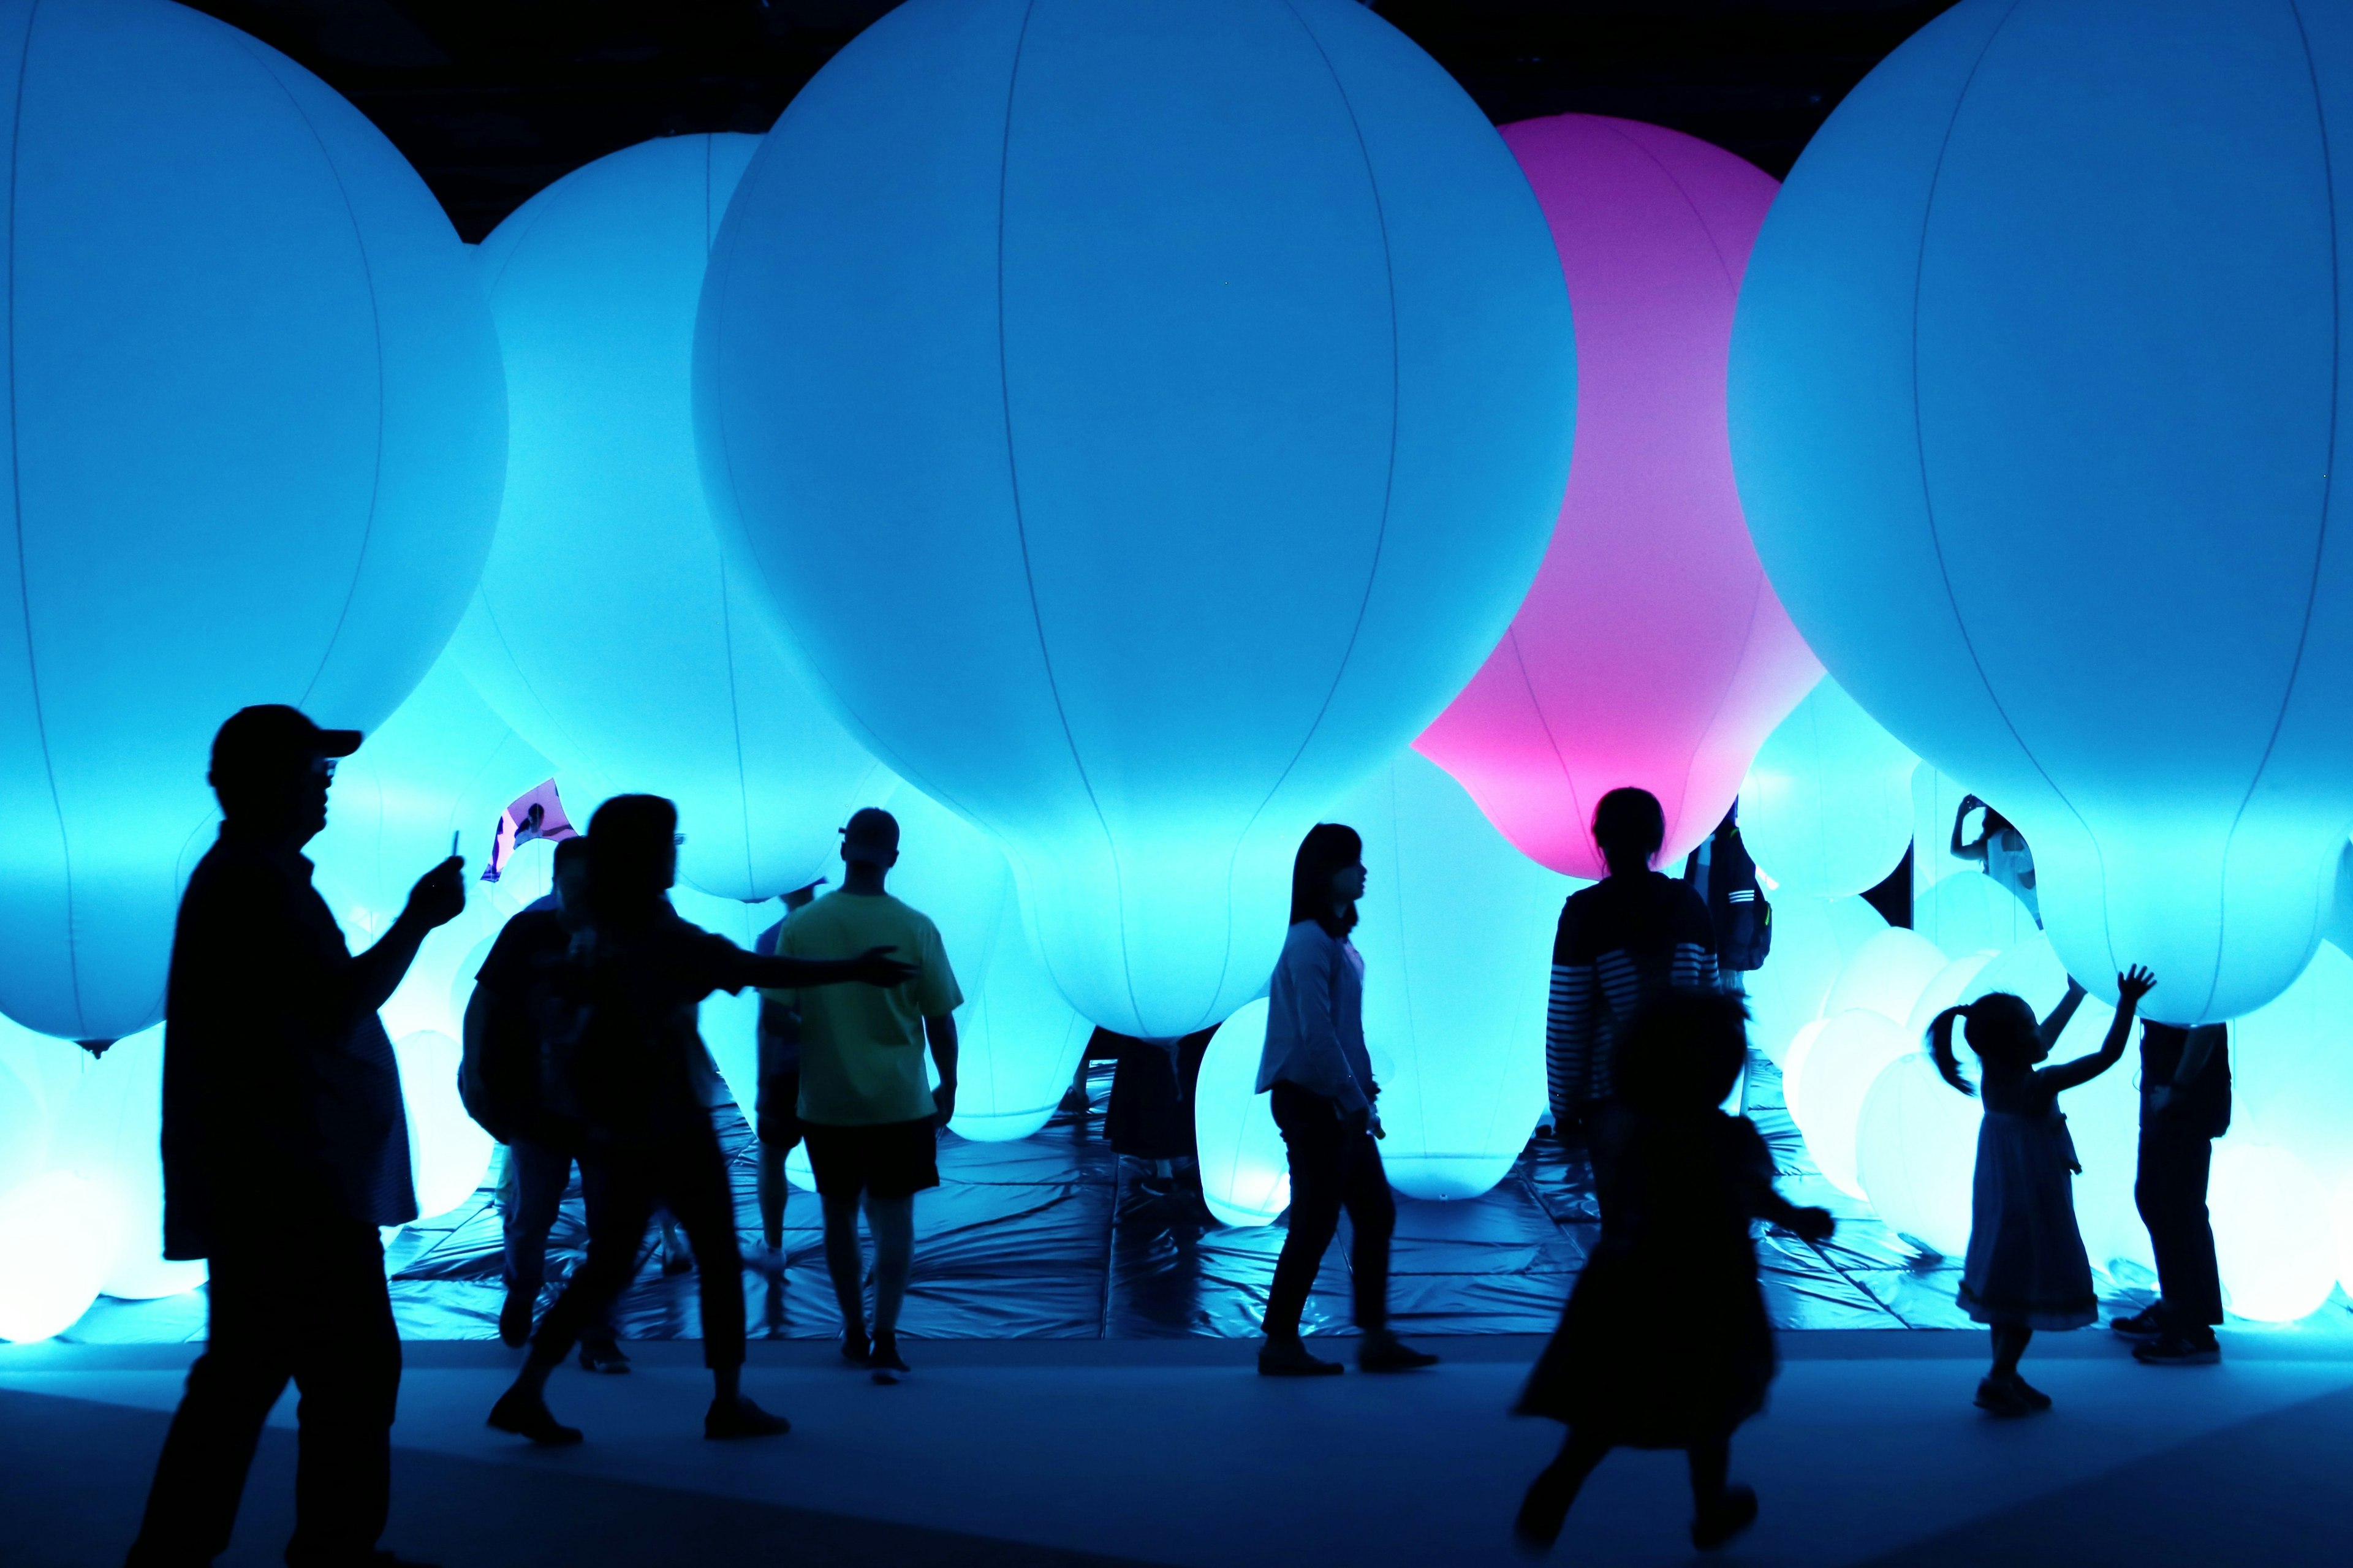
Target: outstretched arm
875 966
2051 1028
1975 848
2131 985
941 1031
439 898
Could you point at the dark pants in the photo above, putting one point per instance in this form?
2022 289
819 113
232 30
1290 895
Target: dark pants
1333 1166
540 1175
779 1129
310 1305
684 1169
2170 1193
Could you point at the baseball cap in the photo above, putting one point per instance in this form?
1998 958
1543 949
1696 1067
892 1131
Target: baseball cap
873 829
271 738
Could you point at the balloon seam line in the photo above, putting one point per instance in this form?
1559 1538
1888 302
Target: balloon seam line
735 725
1584 824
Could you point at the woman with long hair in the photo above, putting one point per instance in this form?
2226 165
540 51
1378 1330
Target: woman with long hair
1315 1067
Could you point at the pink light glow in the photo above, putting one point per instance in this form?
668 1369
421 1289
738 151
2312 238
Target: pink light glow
1651 650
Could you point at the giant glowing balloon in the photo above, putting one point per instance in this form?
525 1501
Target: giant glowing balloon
24 1130
56 1233
1936 802
1915 1154
1826 809
257 430
1827 1081
2291 1069
2035 407
1456 928
110 1132
1651 650
2273 1235
1145 417
1813 940
1245 1170
1968 911
448 1153
608 630
1886 975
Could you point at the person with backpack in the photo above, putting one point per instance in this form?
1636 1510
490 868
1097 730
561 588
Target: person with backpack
1721 872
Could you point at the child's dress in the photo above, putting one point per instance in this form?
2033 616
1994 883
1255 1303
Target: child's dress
2026 1265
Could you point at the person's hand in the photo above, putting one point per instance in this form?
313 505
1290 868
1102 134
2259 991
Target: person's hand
943 1106
1379 1131
439 895
875 966
1968 803
2160 1096
2133 984
1812 1224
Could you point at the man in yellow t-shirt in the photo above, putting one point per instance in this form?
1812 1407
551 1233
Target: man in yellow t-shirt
869 1115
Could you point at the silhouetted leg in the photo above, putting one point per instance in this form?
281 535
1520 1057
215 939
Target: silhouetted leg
892 1220
1372 1219
347 1364
2008 1344
1545 1506
1312 1136
2170 1193
694 1183
611 1262
1711 1461
845 1261
539 1177
772 1194
200 1476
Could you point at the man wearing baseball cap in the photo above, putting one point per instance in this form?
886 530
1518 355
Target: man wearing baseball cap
285 1147
866 1113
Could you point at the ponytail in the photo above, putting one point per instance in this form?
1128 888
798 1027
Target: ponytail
1940 1047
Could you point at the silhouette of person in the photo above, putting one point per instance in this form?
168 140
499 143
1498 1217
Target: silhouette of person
1999 851
285 1146
2026 1267
1623 944
2185 1105
518 1016
777 1120
1665 1342
1315 1067
640 971
872 1122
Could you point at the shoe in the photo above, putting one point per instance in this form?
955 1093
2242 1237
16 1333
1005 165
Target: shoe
856 1348
1718 1523
2000 1396
527 1415
2144 1324
514 1317
604 1357
1290 1358
2031 1394
768 1260
888 1367
2178 1350
742 1419
1383 1352
1539 1523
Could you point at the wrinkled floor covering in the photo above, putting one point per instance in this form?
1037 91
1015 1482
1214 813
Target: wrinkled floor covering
1056 1238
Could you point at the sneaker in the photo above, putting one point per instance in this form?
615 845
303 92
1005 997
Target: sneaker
2002 1396
887 1367
527 1415
742 1418
604 1356
1726 1517
2178 1350
856 1348
2031 1394
515 1319
1383 1352
2144 1324
1290 1358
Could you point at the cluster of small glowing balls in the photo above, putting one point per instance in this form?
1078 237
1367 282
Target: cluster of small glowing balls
1240 368
1828 1074
1813 940
2043 332
2271 1232
1651 650
1826 810
258 433
58 1233
110 1132
1245 1170
1886 975
1915 1146
448 1153
1456 930
609 629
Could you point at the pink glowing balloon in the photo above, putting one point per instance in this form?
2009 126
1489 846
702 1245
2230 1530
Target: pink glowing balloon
1651 650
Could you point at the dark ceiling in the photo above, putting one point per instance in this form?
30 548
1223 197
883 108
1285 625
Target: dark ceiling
492 100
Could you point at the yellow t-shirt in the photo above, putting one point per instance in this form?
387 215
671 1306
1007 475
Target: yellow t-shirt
861 1046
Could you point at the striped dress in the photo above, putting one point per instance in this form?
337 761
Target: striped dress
1623 943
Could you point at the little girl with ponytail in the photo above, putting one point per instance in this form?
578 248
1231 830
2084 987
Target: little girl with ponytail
2027 1268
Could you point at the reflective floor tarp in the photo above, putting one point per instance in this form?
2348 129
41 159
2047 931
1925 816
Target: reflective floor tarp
1056 1236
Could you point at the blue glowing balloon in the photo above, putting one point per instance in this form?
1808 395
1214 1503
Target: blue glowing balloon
257 430
1145 419
1826 809
608 630
2035 413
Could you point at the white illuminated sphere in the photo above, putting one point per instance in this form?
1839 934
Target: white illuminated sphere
257 444
1915 1154
57 1232
609 629
1202 390
1826 809
1813 940
2273 1235
1944 990
1828 1081
1245 1169
2291 1069
1968 911
2342 1211
1456 928
448 1154
1886 975
110 1132
24 1130
2043 333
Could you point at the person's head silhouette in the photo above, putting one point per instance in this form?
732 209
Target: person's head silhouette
1628 828
270 769
571 882
1327 877
633 843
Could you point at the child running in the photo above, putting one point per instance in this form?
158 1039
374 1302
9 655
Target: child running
2026 1267
1665 1342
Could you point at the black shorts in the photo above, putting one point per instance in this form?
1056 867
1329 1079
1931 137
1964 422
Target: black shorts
777 1116
890 1159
